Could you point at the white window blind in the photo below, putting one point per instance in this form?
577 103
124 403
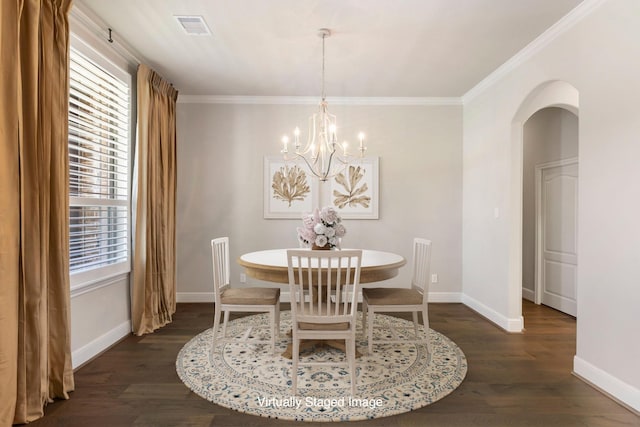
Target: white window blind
99 135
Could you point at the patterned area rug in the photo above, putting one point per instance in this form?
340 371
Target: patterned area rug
246 377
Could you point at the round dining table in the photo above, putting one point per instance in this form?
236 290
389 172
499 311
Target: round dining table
271 265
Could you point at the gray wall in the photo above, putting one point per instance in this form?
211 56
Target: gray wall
220 185
549 135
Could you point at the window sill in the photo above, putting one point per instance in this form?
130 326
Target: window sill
90 286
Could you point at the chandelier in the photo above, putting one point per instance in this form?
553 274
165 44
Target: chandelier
322 153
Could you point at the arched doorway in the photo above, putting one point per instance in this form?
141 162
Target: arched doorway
549 94
550 208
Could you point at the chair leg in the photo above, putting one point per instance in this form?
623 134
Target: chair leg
216 325
224 324
365 307
425 321
295 354
414 314
370 330
350 345
273 317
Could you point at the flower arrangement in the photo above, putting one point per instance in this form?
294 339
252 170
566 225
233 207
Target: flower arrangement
322 228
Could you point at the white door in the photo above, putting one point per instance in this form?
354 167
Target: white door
557 245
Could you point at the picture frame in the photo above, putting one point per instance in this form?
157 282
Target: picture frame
289 189
354 193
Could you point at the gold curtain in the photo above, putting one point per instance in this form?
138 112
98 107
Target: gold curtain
35 350
154 253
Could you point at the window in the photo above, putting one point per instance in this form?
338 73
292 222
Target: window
99 171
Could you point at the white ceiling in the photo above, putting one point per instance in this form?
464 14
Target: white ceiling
379 48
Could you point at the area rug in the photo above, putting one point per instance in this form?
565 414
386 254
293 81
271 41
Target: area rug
246 377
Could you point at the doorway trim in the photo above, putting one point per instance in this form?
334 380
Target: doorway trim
538 247
554 93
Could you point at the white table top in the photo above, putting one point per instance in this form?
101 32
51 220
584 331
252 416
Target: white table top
271 265
278 258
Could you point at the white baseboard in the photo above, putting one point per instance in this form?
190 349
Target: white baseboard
528 294
100 344
506 323
445 297
194 297
607 383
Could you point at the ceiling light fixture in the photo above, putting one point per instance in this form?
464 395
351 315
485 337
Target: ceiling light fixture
321 153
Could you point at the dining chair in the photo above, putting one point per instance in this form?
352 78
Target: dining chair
324 288
228 299
393 300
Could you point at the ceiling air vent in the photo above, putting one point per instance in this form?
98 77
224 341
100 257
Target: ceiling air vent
193 25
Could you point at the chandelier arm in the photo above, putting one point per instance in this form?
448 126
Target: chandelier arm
328 173
311 167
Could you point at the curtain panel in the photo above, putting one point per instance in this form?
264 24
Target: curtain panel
154 192
35 349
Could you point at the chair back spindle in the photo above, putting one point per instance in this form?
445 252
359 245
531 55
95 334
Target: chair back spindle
220 258
421 270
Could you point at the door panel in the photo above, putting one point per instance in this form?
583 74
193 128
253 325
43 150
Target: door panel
558 266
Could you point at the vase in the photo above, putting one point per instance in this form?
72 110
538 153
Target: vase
320 248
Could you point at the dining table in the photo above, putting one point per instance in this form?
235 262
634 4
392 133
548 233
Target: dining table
271 265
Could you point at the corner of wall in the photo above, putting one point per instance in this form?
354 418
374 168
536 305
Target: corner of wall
515 324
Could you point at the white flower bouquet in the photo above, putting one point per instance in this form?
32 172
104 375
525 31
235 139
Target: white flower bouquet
321 229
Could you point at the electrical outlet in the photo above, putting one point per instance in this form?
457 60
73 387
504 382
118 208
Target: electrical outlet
434 278
243 278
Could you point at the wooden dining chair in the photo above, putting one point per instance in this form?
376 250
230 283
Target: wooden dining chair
393 300
228 299
324 288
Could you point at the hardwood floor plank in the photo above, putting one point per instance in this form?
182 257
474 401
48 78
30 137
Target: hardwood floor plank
513 380
155 391
153 420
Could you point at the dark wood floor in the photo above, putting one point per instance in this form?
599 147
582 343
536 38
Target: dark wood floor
513 380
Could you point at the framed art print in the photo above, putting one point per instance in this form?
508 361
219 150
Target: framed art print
354 191
289 190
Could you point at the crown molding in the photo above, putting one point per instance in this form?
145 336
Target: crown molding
309 100
567 22
87 24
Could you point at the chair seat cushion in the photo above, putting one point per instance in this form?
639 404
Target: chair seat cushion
312 326
250 296
324 326
392 296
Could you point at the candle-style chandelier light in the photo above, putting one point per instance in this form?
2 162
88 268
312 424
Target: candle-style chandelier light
322 153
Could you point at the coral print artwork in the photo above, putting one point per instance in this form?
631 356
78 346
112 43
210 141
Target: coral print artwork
289 190
354 191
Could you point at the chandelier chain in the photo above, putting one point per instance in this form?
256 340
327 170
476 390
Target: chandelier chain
324 36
